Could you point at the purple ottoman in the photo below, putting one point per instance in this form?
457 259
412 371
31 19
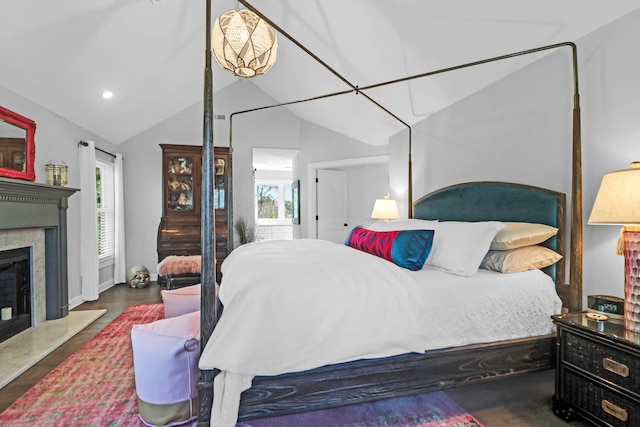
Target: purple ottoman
181 301
165 364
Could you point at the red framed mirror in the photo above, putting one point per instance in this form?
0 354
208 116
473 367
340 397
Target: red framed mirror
17 146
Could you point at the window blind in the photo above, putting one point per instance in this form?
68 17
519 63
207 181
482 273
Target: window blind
105 203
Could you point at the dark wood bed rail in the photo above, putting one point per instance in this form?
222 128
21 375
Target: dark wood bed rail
370 380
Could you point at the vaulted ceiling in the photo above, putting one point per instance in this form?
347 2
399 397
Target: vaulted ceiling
62 54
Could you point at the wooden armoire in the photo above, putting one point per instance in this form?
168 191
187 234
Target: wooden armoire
179 229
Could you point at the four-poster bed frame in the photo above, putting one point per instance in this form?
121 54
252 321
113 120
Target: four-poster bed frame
359 381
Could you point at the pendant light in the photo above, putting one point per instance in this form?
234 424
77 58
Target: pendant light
243 43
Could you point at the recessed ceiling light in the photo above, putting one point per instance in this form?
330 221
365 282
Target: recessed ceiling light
107 94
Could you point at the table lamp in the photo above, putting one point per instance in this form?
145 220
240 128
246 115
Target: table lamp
618 202
385 209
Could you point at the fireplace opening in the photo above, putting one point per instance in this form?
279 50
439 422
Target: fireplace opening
15 292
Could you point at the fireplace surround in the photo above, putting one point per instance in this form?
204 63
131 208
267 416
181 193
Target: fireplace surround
38 213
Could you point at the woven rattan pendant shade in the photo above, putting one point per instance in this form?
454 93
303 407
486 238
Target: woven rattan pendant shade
243 43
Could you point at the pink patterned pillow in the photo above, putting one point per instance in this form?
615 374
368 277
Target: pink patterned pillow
406 248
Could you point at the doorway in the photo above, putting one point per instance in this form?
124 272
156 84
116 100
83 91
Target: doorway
331 207
272 193
367 179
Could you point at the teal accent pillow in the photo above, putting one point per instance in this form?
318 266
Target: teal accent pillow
405 248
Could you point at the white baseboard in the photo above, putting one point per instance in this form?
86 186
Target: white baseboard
105 285
74 302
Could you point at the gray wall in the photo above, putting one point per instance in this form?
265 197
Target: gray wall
57 138
520 126
519 129
274 128
365 184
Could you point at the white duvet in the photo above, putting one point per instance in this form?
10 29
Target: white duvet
486 307
295 305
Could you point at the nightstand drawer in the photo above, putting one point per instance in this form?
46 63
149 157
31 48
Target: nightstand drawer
599 401
602 360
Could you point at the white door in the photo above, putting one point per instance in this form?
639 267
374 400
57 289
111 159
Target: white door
331 205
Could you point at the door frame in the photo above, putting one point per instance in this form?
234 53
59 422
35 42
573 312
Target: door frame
310 212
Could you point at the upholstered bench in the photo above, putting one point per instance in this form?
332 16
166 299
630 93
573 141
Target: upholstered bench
181 270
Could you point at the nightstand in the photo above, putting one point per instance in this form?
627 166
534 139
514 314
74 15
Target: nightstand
597 371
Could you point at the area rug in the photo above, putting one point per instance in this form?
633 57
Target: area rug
94 387
434 409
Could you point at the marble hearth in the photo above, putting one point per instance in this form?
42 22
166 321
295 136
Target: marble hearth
34 215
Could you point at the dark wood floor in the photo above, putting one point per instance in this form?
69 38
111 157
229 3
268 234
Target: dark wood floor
115 301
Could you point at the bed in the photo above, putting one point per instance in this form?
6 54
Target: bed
406 368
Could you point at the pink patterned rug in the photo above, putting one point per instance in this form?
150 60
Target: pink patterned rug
93 387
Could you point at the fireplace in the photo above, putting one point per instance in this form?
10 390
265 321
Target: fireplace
15 291
34 221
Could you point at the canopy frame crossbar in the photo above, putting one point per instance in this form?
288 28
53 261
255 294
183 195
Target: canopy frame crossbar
210 317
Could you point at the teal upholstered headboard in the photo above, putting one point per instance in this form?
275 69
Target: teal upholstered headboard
500 201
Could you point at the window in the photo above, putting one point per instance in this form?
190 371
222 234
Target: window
274 210
273 201
105 201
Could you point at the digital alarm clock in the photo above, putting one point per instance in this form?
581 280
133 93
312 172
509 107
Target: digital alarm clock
613 307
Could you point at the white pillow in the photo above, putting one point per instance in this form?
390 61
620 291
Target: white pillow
401 224
521 234
459 247
520 259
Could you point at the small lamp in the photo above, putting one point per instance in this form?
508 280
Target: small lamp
385 209
618 202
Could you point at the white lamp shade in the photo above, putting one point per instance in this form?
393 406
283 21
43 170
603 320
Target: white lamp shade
243 43
618 199
385 209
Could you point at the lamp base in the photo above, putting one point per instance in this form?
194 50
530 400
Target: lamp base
632 281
